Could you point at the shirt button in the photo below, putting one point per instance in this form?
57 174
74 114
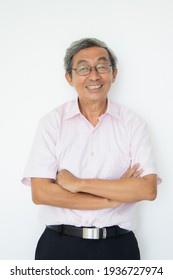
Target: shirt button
92 153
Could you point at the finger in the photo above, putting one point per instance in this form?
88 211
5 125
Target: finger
130 171
138 173
133 170
126 174
135 167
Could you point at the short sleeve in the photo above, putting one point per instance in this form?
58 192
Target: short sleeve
42 162
141 148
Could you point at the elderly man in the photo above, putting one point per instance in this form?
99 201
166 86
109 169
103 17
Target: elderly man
90 163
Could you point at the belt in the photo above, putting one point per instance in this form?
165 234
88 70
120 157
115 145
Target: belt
89 232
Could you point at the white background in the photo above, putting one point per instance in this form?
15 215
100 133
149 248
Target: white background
34 35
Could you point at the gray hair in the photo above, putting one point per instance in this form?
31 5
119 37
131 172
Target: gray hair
85 43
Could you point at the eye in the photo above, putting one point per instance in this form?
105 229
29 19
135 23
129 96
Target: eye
102 67
83 69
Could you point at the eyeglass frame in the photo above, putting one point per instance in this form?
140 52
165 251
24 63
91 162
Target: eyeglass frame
91 67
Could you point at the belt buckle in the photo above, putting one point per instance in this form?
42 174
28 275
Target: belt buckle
90 233
104 233
94 233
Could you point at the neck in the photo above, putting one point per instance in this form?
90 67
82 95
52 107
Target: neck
92 111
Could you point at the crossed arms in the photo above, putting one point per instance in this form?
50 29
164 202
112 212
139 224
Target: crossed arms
69 191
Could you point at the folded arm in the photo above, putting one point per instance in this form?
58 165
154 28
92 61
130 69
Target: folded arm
128 189
71 192
47 192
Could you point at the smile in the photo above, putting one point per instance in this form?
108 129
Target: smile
92 87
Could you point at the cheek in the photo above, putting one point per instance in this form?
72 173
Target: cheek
109 82
77 83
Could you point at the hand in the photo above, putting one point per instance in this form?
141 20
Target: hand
133 172
67 180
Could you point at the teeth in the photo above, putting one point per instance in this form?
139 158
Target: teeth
94 87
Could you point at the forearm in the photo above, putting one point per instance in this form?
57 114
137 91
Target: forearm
125 190
46 192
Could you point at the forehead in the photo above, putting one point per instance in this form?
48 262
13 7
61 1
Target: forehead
92 54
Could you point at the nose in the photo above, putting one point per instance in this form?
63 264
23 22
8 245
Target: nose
94 75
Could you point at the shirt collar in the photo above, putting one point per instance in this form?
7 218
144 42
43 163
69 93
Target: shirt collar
73 110
113 110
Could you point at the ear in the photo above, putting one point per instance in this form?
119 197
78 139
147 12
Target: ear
114 74
69 79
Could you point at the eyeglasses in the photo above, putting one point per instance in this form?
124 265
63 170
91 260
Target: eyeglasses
84 70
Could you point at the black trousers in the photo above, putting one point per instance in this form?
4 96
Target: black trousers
56 246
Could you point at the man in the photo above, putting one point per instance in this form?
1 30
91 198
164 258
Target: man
90 163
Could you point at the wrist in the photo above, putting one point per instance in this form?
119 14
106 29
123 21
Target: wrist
79 185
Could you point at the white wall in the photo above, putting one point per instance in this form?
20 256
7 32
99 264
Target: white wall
34 36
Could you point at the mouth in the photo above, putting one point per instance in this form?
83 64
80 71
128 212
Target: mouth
94 87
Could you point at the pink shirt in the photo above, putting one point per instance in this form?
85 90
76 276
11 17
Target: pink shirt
65 139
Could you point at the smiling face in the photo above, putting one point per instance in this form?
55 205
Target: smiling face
95 86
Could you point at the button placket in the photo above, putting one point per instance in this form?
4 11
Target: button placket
92 144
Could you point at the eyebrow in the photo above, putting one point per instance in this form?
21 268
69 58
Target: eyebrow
100 59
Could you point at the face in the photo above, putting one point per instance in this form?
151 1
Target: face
94 86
